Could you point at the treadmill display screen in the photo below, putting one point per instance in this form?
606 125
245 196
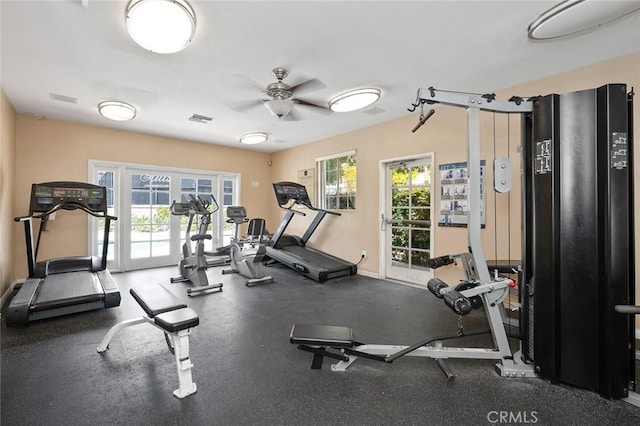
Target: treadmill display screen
45 196
287 191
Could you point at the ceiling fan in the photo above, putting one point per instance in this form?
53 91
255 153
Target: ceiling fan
281 96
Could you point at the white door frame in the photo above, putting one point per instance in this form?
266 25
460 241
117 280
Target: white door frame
383 196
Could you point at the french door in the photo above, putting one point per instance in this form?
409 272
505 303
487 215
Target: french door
406 217
146 234
149 226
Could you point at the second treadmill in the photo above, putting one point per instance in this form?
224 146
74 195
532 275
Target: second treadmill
292 250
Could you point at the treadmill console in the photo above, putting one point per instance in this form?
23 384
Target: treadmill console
69 195
287 191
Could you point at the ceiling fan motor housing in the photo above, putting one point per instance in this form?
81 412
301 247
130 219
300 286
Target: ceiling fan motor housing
279 90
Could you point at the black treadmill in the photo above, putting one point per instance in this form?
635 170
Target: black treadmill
292 250
66 285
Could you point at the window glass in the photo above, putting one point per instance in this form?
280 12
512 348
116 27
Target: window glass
338 182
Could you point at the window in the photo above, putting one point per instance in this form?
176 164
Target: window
337 183
146 234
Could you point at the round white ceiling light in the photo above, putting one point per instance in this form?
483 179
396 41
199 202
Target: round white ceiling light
161 26
353 100
116 110
254 138
573 16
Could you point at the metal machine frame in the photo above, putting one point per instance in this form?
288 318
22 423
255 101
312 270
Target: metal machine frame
490 290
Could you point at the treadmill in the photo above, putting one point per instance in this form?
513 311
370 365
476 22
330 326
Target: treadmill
292 250
66 285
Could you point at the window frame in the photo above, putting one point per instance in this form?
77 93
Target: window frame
323 197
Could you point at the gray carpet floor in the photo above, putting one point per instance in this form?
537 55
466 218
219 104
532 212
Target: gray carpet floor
247 372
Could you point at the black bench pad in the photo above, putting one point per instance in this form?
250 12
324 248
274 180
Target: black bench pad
177 320
322 336
156 299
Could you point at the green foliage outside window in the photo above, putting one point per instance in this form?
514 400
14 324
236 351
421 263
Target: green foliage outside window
340 176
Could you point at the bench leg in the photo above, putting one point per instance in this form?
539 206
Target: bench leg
183 363
316 363
104 345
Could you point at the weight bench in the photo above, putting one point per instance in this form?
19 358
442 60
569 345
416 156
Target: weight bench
166 312
317 339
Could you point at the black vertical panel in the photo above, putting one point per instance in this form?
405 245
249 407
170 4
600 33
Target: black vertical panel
544 257
578 240
632 269
615 235
578 248
525 292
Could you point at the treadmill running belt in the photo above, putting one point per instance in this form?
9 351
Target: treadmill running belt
319 259
66 289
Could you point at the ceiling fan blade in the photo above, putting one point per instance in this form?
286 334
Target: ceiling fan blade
243 106
319 108
247 82
308 86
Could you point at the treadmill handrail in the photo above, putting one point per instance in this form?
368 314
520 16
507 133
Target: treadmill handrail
326 211
66 206
293 210
32 252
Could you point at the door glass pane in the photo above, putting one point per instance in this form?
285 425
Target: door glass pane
410 201
150 201
419 259
107 179
399 257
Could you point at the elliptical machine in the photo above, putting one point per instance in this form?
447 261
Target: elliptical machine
247 254
193 265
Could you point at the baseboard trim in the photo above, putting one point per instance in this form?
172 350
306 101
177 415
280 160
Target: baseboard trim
368 274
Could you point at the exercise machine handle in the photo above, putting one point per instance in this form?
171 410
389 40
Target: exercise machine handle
628 309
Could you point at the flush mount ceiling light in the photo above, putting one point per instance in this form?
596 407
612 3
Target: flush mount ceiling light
353 100
254 138
573 16
161 26
116 110
279 107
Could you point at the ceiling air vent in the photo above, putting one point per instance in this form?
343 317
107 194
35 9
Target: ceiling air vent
200 118
63 98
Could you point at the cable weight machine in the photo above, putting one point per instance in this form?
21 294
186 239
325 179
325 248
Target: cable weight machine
480 289
577 275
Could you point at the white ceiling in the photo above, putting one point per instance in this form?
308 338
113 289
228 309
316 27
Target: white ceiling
60 47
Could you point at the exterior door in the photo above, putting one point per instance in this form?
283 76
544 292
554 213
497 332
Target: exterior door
148 233
407 219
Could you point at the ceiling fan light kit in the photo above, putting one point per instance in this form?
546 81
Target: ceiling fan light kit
116 110
161 26
279 107
354 100
573 16
254 138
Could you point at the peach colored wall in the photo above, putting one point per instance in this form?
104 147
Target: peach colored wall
50 150
7 189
